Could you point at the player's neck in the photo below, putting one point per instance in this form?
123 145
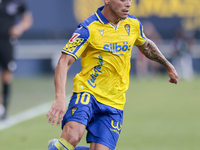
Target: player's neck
110 16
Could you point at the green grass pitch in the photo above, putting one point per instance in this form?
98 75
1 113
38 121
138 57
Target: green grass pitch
158 115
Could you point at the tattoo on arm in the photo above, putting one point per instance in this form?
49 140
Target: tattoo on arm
152 52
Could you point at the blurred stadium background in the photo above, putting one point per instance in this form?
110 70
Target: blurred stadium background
158 115
54 22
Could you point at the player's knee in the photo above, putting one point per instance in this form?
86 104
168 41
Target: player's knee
73 132
75 138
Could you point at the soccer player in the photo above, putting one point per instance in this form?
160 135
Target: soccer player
104 42
10 10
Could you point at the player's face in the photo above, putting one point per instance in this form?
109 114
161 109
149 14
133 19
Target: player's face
120 8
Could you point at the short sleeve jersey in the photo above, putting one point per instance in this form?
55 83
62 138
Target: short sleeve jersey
105 51
9 9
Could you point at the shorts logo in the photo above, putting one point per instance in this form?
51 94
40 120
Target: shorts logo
73 43
74 110
116 127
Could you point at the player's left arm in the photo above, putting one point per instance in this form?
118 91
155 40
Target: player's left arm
151 51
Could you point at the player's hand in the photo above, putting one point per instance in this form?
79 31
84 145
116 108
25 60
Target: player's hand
173 75
57 111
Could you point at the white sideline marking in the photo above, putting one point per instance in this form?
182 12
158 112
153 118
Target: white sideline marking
26 115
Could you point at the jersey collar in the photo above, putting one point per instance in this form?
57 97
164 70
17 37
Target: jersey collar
100 16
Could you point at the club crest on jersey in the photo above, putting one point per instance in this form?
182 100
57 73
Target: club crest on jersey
127 28
74 110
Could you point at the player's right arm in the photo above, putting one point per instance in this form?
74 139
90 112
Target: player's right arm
73 49
58 108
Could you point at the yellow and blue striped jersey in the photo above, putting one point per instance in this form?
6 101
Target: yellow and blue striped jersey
105 51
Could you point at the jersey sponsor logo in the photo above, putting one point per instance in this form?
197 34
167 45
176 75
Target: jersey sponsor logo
116 127
127 28
73 42
97 71
115 48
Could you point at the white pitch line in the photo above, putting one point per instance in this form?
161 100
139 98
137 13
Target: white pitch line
27 115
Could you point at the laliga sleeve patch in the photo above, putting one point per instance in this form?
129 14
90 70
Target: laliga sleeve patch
75 35
73 43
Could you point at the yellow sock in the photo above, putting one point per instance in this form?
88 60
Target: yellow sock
64 145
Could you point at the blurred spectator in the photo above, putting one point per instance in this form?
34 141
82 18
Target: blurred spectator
144 66
181 57
11 28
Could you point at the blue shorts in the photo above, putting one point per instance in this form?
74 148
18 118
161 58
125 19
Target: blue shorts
103 123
